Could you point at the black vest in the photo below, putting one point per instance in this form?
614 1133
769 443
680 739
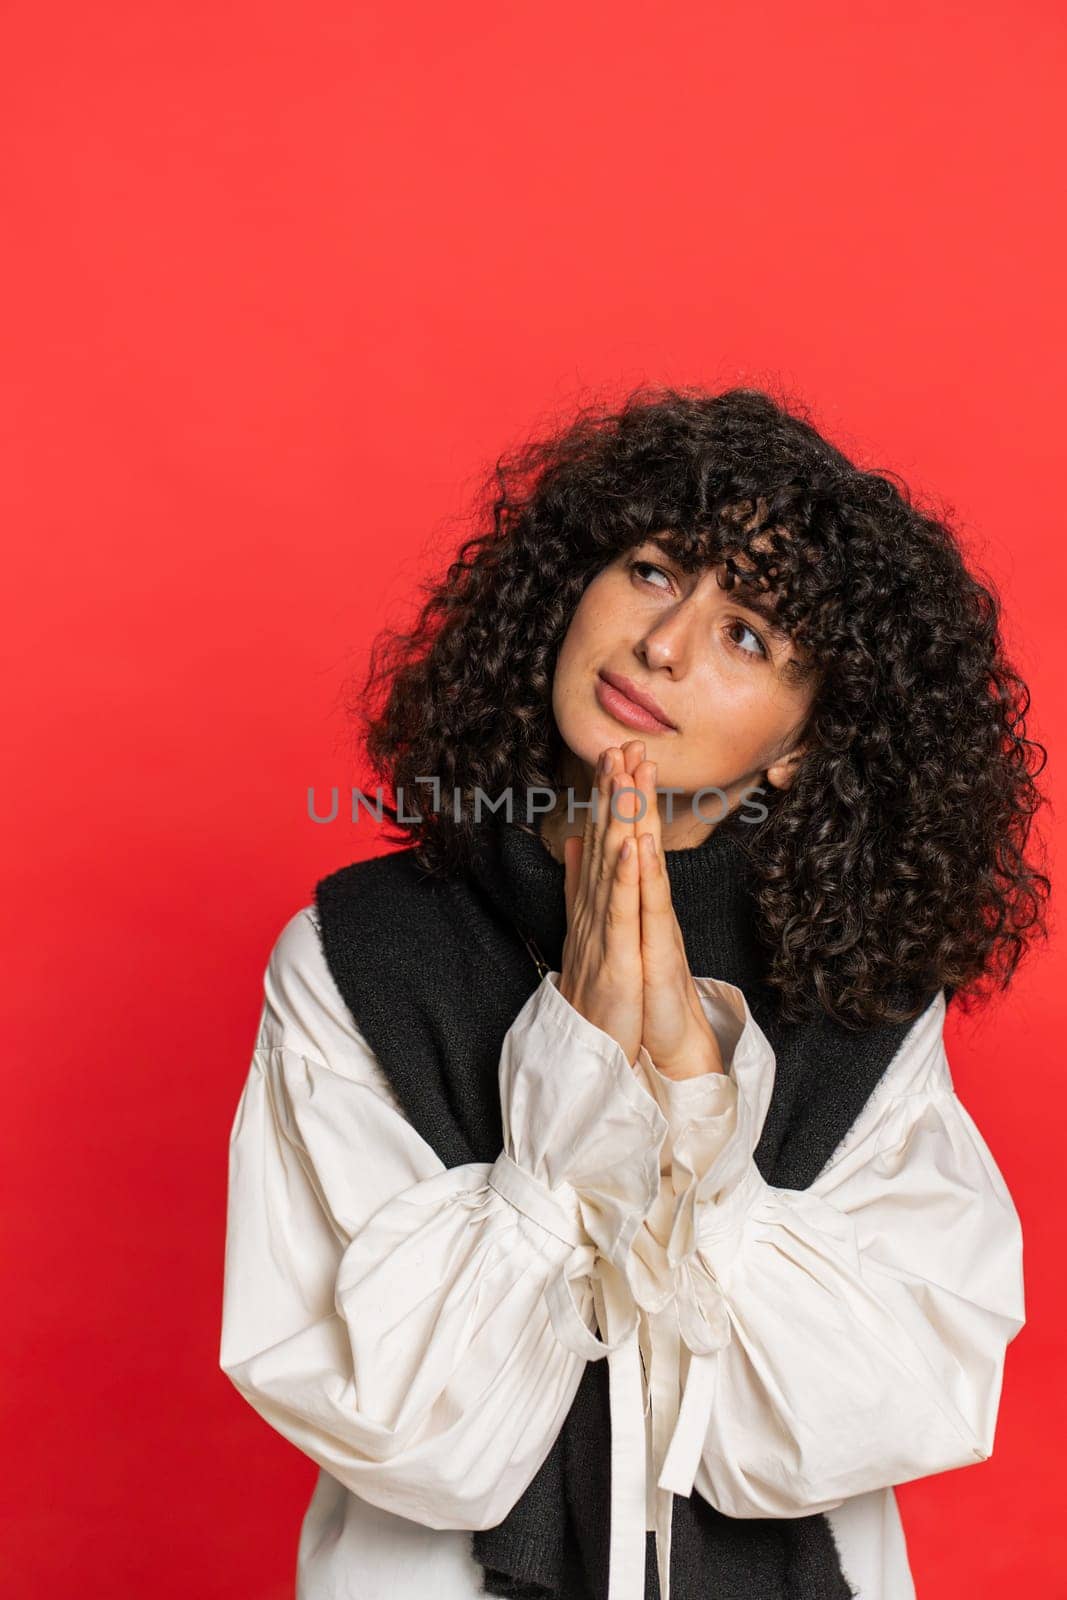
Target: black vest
434 973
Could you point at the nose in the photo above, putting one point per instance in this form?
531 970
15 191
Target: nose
668 643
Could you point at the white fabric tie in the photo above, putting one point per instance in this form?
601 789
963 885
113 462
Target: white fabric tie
694 1314
618 1315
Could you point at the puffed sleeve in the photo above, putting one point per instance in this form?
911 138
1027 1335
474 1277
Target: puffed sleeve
420 1331
848 1336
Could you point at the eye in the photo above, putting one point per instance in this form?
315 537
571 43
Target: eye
648 566
761 648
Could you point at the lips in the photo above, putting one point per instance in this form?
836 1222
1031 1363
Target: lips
622 698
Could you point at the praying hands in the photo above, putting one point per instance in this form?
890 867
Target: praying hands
624 965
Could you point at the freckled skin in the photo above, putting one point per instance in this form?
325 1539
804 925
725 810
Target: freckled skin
690 644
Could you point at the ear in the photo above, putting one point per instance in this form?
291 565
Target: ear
783 770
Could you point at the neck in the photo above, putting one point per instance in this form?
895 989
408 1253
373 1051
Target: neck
710 892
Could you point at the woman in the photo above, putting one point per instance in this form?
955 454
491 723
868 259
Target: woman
602 1217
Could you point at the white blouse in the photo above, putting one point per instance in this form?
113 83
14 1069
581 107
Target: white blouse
420 1331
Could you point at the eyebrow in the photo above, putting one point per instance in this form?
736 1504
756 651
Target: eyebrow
744 597
765 609
796 668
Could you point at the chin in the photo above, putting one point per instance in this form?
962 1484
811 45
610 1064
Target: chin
594 734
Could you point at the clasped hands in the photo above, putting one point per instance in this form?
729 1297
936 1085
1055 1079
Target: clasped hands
624 965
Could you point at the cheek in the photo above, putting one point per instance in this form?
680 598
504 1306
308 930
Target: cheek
569 653
584 636
569 664
737 717
587 645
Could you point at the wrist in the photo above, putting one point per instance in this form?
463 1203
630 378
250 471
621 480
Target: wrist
697 1063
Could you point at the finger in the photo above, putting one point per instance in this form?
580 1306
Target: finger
620 813
600 818
662 947
622 920
652 822
644 780
633 753
585 877
619 826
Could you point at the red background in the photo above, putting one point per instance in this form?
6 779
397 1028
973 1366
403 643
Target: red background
280 281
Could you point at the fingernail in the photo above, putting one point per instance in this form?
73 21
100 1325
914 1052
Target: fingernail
609 760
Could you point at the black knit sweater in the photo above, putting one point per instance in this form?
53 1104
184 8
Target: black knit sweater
434 973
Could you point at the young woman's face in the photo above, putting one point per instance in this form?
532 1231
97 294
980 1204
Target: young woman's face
724 680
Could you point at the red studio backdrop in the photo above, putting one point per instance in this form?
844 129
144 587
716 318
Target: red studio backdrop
279 283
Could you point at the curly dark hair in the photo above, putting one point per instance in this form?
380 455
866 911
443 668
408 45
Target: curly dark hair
894 864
